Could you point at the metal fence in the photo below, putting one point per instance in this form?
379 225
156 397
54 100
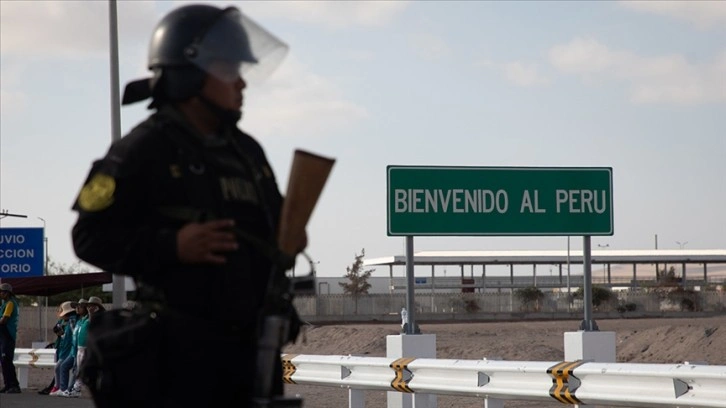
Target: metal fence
505 301
456 306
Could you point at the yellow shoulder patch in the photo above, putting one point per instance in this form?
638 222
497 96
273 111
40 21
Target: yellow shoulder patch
97 194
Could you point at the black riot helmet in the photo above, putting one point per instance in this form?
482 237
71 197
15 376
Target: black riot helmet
188 39
198 32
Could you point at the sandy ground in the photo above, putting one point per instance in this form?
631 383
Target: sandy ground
638 341
665 340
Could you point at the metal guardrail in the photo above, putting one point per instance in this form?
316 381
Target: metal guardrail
26 358
572 383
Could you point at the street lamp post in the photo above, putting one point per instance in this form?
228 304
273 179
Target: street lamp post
604 271
682 245
569 295
119 281
43 335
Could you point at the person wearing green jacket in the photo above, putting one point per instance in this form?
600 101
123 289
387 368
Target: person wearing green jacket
63 367
91 306
9 316
58 330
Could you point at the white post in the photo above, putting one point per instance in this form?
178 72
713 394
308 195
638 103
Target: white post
356 398
493 403
411 345
596 346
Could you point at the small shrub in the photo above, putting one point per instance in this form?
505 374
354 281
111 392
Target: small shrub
599 294
626 307
471 306
529 297
685 299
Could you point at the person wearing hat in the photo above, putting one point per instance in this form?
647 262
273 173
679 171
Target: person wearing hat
73 389
94 305
67 312
58 331
8 334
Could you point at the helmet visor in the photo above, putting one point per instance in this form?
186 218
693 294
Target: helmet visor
235 46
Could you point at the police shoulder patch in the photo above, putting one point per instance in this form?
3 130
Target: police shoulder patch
97 194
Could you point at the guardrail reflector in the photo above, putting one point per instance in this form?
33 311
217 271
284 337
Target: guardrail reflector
34 358
403 374
680 387
563 387
288 368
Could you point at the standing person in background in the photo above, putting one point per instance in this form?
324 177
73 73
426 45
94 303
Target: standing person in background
65 347
9 316
187 203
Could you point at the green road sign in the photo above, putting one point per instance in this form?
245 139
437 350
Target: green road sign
499 201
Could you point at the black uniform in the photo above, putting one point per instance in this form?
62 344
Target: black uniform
159 177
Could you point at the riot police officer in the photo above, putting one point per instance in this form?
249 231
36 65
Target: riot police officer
186 204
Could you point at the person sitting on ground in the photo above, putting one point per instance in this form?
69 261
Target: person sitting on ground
65 347
58 331
94 305
82 312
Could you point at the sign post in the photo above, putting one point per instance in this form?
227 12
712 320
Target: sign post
21 252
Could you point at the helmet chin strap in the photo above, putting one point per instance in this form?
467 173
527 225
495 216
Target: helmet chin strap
227 117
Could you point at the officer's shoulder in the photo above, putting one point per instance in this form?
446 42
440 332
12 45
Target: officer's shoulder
144 135
148 131
249 142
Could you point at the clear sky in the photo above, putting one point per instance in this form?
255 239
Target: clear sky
636 86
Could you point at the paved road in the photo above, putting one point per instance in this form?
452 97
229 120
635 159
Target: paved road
31 399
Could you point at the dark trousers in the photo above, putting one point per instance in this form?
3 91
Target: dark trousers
211 364
7 353
179 362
